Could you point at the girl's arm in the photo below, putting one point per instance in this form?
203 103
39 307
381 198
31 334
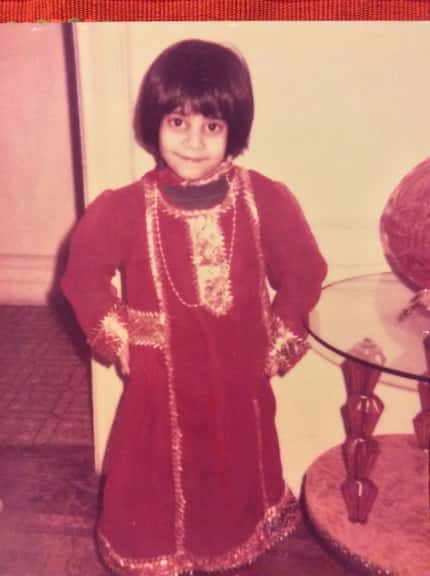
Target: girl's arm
295 270
96 251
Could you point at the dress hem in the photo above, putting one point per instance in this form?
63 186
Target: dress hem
277 524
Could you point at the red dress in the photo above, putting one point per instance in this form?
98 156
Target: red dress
194 479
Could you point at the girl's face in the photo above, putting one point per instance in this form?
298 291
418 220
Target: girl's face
192 145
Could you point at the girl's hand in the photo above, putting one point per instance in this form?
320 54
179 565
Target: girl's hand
124 361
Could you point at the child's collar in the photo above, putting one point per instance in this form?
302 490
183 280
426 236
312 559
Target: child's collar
167 176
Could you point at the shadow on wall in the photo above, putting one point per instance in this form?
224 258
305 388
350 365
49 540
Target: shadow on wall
60 305
55 297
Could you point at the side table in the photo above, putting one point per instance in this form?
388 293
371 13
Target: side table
369 498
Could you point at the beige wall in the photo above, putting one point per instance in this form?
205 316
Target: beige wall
37 204
341 116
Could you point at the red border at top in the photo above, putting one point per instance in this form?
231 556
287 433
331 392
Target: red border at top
188 10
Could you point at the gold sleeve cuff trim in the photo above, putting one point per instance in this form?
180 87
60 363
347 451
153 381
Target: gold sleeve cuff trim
123 326
110 335
286 349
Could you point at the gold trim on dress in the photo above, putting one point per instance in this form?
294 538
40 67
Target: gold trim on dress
209 254
285 347
124 325
265 304
286 350
176 441
110 336
257 412
211 262
219 208
255 219
147 328
279 521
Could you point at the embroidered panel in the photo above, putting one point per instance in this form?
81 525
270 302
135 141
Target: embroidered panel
210 256
211 263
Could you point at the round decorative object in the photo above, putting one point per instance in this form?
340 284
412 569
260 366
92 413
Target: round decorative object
405 228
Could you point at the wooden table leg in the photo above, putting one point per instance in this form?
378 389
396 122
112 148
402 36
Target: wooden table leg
360 414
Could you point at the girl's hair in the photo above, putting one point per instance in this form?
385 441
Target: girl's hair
211 78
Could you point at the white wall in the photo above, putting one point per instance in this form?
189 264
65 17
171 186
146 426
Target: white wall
341 116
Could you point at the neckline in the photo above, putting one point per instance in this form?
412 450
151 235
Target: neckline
232 177
196 197
167 176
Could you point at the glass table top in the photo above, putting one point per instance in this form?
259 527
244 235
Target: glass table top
370 306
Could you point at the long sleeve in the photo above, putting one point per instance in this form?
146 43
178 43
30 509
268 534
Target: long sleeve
96 251
295 269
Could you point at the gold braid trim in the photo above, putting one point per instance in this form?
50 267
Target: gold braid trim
147 328
155 259
110 335
255 221
285 346
210 256
124 325
278 522
286 350
211 262
257 414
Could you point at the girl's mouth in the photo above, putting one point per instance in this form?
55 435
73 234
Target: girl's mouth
189 159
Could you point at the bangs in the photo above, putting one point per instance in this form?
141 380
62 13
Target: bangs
212 104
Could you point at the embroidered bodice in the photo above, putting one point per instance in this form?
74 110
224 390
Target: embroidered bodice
200 207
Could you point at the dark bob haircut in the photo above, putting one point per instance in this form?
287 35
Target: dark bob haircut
211 78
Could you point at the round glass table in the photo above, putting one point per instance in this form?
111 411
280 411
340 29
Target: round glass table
373 306
371 493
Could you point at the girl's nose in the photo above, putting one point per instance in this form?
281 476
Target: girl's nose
195 138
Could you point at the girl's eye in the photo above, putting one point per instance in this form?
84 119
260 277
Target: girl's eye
176 121
215 127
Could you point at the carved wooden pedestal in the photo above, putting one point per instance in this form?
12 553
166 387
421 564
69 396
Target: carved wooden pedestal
360 415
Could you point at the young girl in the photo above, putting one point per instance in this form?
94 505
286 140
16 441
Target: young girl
194 479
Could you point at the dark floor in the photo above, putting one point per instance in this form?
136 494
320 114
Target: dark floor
48 490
